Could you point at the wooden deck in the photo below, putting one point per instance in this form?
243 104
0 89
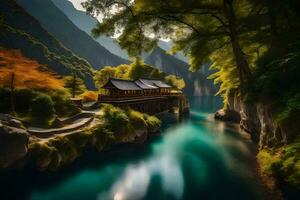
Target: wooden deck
148 104
128 99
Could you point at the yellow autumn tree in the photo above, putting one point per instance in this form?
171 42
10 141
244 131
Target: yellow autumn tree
25 72
18 72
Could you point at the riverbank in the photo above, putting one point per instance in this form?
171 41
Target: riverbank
278 143
52 148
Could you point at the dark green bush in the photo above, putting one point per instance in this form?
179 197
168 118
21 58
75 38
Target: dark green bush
42 107
23 100
4 100
64 107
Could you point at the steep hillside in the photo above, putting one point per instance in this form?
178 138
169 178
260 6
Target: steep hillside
19 30
196 83
86 23
57 23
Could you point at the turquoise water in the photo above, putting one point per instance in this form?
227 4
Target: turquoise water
197 159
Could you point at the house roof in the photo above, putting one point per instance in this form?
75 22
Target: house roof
121 84
144 85
138 84
155 83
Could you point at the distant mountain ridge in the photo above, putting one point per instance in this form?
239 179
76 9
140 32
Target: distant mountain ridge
58 24
19 30
86 23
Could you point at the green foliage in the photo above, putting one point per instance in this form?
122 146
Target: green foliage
137 119
139 69
38 107
5 100
102 76
64 107
175 81
42 108
153 123
283 163
23 100
276 82
225 73
119 121
135 70
115 118
74 84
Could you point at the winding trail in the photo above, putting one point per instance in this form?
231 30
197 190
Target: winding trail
75 124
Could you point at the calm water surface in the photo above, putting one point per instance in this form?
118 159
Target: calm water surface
198 159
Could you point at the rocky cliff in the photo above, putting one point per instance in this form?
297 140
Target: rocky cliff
13 142
259 120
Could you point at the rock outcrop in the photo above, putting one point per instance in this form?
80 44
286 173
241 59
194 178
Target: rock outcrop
13 142
258 120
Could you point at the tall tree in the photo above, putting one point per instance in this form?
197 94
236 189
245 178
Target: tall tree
74 84
198 27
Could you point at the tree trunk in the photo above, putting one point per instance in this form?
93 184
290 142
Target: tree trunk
272 19
240 59
74 86
12 91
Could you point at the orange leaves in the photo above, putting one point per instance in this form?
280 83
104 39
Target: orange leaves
28 72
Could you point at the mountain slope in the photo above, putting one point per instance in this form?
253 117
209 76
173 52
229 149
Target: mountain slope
57 23
196 83
19 30
86 23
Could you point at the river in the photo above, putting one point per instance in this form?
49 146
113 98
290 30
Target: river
198 159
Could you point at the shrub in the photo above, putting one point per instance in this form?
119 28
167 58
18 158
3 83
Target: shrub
282 163
5 100
23 100
63 106
115 118
42 108
136 119
153 123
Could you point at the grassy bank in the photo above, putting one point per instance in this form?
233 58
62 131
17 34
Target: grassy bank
282 163
113 126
